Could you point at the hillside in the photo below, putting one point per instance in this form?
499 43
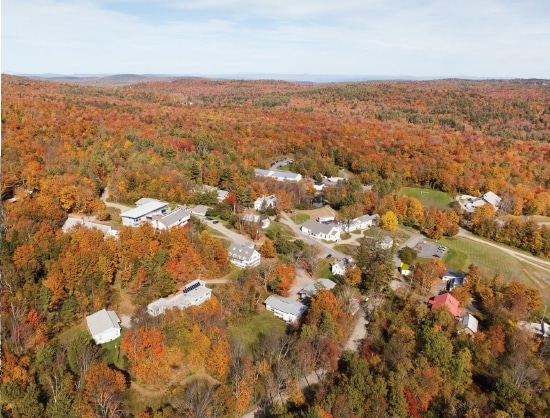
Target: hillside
400 149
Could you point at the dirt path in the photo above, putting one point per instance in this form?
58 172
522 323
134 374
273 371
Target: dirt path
529 259
174 379
105 196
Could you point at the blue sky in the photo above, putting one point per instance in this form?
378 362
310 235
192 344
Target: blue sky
422 38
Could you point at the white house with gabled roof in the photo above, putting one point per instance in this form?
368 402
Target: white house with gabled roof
341 266
329 232
265 202
313 288
193 294
287 309
361 223
178 217
144 213
72 223
104 326
244 256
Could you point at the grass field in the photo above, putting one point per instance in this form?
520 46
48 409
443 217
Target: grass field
249 329
428 197
278 228
323 270
300 218
348 249
463 252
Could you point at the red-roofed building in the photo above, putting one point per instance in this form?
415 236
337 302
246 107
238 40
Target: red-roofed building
445 299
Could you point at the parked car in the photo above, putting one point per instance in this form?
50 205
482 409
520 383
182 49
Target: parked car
216 222
329 256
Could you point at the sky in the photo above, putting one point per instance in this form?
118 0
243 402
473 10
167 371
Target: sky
394 38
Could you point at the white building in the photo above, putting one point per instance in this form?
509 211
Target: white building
144 212
361 223
71 223
244 255
313 288
471 203
386 243
341 266
470 323
104 326
193 294
265 202
287 309
177 217
278 175
329 232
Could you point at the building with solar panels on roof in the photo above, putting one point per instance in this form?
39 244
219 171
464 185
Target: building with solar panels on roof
193 294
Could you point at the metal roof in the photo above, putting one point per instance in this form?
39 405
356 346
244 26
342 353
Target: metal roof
101 321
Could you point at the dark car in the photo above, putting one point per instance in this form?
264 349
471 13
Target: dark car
329 256
216 222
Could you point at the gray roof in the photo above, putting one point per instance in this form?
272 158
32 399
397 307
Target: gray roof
318 228
286 305
222 194
145 200
175 216
102 320
491 198
287 175
241 252
144 209
181 300
312 288
200 210
470 322
366 218
72 222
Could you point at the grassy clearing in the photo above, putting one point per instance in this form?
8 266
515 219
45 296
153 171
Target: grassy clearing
345 235
111 353
67 336
463 252
428 197
249 329
323 270
278 228
300 218
348 249
137 403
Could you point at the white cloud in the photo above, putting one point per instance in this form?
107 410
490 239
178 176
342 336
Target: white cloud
477 38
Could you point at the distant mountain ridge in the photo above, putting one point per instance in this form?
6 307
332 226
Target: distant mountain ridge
125 79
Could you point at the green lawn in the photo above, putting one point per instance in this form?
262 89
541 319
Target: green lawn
428 197
300 218
349 249
67 336
323 270
345 235
111 353
278 228
249 329
463 252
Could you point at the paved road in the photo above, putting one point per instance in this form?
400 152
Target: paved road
231 234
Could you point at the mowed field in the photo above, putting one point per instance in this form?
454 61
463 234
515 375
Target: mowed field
428 197
462 252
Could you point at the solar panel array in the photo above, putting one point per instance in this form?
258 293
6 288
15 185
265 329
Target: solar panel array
189 288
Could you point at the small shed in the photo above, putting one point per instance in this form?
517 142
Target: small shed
104 326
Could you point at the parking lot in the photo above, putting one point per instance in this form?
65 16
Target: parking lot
427 249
